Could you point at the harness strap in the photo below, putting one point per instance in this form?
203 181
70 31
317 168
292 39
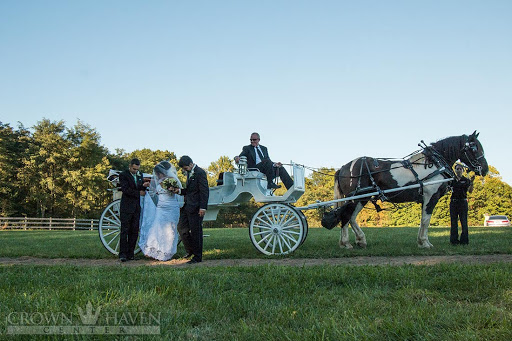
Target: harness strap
407 164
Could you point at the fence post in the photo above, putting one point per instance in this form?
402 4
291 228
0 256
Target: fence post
92 225
50 224
74 223
25 228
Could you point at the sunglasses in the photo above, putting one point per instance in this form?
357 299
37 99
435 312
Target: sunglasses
254 139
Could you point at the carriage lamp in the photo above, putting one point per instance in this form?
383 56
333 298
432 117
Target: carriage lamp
242 165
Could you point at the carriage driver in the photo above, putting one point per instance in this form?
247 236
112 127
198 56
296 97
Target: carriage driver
257 157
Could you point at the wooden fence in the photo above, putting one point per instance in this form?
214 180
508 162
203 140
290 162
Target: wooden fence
24 223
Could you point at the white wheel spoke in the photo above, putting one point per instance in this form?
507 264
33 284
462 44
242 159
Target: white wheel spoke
285 242
259 233
108 234
291 226
114 215
280 245
283 220
285 235
264 222
274 245
111 240
269 219
112 222
264 238
263 227
268 242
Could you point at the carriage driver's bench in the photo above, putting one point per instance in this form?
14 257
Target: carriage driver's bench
243 184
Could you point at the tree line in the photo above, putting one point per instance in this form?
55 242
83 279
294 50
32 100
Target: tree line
52 170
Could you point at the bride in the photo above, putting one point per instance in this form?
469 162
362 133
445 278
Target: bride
158 232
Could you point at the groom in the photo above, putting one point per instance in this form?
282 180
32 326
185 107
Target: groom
133 188
190 225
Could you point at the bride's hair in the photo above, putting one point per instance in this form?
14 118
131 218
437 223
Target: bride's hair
162 167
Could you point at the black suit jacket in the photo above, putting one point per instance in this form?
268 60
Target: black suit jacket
197 192
130 201
250 153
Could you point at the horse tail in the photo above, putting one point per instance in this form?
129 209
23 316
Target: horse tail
332 218
338 192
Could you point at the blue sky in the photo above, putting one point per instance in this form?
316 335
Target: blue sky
322 81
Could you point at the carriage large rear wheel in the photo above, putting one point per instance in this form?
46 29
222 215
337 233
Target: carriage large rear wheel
277 229
109 227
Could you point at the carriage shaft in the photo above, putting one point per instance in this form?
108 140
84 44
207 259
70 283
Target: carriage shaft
332 202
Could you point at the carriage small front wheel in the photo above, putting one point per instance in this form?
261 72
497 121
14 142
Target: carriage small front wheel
109 227
277 229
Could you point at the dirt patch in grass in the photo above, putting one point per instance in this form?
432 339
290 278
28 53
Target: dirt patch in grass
351 261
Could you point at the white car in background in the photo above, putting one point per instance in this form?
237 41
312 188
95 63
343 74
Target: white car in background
497 220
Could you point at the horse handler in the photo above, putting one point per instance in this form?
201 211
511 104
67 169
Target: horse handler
459 206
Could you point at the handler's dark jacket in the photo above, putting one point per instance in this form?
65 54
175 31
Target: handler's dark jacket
460 188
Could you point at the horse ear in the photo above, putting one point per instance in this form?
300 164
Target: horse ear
476 136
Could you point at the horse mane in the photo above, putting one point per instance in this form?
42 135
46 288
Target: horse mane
449 147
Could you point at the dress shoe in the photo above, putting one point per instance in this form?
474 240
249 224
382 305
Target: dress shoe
272 185
123 259
193 261
131 258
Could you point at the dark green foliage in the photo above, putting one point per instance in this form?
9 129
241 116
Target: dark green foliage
55 171
13 150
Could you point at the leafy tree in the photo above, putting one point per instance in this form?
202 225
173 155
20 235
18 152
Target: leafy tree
86 189
42 174
13 147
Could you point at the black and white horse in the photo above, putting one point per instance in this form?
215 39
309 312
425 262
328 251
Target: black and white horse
433 162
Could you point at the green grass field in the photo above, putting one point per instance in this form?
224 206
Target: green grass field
235 243
441 302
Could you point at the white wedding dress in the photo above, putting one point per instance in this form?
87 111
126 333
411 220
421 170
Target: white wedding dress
158 232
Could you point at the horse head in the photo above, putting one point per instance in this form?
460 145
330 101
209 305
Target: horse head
472 154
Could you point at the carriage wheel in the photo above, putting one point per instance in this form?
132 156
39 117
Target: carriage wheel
277 229
306 226
109 227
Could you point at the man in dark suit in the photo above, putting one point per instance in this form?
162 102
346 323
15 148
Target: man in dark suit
133 187
190 225
257 157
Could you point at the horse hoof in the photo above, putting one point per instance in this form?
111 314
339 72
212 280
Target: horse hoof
346 246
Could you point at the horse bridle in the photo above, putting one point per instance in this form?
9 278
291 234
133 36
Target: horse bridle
469 150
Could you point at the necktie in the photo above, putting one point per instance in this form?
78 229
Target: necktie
258 150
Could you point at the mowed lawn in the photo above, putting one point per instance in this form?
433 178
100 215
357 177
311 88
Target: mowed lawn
236 243
440 302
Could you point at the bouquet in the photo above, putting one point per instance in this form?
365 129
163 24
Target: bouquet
170 182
